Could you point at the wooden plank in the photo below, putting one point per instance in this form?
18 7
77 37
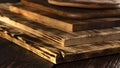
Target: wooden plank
68 12
58 54
57 37
86 3
64 24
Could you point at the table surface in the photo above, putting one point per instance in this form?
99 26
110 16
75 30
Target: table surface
13 56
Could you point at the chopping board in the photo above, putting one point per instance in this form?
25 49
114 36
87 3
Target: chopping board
69 12
61 23
22 58
86 3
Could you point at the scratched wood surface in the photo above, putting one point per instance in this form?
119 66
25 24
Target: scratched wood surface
87 3
57 54
57 37
69 12
64 24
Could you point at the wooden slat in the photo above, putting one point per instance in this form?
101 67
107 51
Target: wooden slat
58 54
68 12
86 3
57 37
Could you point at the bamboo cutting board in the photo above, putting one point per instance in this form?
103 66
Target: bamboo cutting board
86 3
68 12
56 54
61 23
58 37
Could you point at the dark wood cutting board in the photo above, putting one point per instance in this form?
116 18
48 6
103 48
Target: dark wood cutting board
61 23
72 13
86 3
22 58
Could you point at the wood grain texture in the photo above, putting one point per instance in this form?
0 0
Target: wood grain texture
64 24
57 37
86 3
68 12
57 54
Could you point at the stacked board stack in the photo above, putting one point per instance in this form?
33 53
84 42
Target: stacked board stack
63 33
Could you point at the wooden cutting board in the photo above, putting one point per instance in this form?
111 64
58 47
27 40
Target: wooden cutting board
61 23
90 1
23 58
87 3
56 54
72 13
58 37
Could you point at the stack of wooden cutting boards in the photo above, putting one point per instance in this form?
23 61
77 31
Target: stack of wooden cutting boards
63 30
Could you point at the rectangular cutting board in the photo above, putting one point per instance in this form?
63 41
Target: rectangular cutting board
61 23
